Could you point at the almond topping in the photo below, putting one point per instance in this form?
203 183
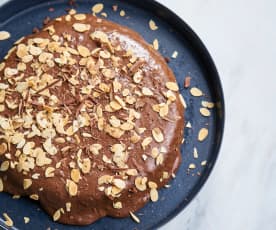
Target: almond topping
8 220
154 195
172 86
196 92
205 112
97 8
203 133
27 183
75 175
157 135
79 27
4 35
152 25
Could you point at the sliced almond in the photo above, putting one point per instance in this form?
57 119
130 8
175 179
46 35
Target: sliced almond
97 8
1 185
26 220
117 205
172 86
80 27
50 172
152 25
203 133
141 183
80 17
27 183
157 135
8 221
71 187
3 148
75 175
154 195
83 51
122 13
205 112
196 92
134 217
155 44
4 166
4 35
57 215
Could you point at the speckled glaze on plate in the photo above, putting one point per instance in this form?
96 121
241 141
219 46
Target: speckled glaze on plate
20 17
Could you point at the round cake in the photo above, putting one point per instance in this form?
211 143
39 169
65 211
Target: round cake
91 120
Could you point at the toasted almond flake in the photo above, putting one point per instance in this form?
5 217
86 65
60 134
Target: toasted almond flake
154 152
146 142
203 133
119 183
27 183
146 91
80 27
205 112
35 51
157 135
155 44
192 166
95 148
152 185
16 197
80 17
50 172
137 77
195 153
134 217
1 185
154 195
71 187
57 215
175 54
8 220
68 206
3 148
203 163
86 166
159 159
2 66
122 13
117 205
140 183
4 35
196 92
26 219
207 104
75 175
34 197
105 179
97 8
132 172
83 51
4 166
172 86
152 25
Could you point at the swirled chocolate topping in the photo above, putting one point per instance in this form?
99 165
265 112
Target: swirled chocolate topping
91 120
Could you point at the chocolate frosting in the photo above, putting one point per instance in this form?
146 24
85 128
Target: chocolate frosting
91 120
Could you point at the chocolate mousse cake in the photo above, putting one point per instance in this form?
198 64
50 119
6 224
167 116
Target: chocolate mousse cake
91 120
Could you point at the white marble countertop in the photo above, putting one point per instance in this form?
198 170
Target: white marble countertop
240 193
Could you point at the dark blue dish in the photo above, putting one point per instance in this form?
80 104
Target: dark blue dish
20 17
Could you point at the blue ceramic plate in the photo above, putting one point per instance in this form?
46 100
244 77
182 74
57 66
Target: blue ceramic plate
20 17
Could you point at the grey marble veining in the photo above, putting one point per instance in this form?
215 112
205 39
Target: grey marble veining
241 191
